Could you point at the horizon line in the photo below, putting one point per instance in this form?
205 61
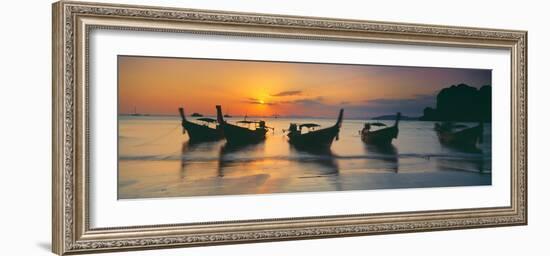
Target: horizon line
253 116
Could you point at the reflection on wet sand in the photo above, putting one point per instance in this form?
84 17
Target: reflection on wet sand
189 151
227 157
242 161
243 168
195 147
173 166
479 163
462 149
387 154
323 161
322 167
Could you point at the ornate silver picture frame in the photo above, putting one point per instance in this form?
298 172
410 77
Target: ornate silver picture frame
74 21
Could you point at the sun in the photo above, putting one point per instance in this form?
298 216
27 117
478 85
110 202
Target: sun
262 102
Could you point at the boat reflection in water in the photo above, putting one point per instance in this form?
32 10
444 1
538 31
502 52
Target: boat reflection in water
384 157
321 161
196 154
274 172
174 165
467 157
241 155
481 165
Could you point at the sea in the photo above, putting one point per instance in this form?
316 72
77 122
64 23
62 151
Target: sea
156 160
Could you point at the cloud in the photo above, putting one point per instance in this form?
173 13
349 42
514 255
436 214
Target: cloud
311 106
287 93
258 102
419 98
306 101
412 106
317 101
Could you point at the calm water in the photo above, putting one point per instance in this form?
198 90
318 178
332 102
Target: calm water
156 160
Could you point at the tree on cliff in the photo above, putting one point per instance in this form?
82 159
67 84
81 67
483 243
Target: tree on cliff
461 103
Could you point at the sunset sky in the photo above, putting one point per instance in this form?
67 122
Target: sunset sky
157 85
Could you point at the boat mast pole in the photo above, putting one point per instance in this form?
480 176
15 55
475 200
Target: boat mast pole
219 114
397 118
340 117
182 114
183 120
339 122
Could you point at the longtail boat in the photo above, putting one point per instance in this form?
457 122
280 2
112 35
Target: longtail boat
200 132
236 135
382 136
314 139
466 138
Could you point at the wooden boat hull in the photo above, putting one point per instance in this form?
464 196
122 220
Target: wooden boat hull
467 138
321 139
237 135
316 140
199 133
380 137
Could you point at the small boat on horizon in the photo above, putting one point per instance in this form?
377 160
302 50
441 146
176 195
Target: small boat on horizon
201 132
314 139
383 136
196 115
136 113
468 137
236 135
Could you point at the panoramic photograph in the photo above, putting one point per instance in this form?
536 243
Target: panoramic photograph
213 127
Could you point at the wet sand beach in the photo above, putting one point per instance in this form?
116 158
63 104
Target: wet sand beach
156 160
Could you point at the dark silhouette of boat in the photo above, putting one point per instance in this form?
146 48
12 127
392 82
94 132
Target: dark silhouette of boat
382 136
196 115
449 134
236 135
201 132
314 139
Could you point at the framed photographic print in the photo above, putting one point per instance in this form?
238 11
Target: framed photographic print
178 127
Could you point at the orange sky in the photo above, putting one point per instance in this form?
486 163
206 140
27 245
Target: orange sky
157 85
